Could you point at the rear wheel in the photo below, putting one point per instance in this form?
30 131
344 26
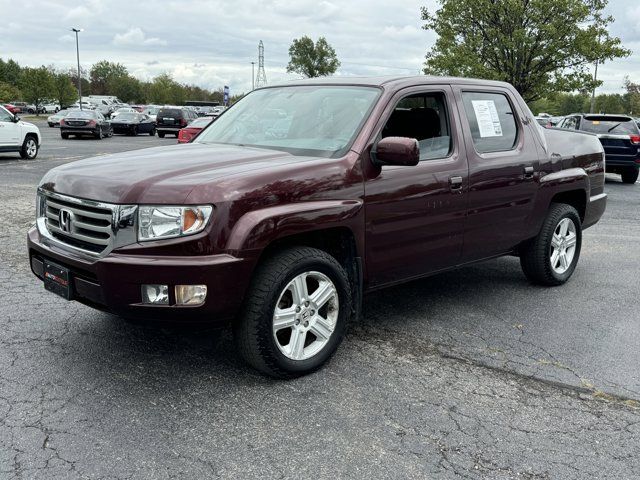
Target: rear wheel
29 149
295 314
630 176
161 134
99 135
64 135
551 257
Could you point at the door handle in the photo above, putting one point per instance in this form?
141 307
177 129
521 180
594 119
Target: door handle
528 172
455 184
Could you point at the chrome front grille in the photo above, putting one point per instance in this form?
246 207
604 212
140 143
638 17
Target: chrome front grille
85 226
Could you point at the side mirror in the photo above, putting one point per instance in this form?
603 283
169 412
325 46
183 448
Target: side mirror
16 119
400 151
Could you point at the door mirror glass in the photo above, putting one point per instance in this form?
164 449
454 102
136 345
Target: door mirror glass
400 151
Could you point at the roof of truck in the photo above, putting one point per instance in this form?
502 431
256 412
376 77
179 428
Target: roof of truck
393 81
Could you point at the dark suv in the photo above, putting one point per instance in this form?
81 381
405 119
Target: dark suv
620 138
172 119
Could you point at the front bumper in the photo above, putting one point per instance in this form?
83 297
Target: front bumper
113 283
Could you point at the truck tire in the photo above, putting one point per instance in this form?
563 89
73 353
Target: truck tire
550 258
295 314
630 175
29 149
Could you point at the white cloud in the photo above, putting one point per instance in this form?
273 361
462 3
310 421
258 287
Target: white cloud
217 46
135 37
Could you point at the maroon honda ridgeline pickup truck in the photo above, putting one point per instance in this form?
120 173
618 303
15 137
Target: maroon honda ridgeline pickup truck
300 198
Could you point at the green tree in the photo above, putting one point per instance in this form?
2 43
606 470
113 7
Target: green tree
9 92
10 72
164 90
36 85
126 88
632 97
103 73
539 46
312 60
64 92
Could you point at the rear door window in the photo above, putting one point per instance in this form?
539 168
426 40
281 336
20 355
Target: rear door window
492 121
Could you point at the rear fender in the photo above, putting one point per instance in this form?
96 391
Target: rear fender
571 179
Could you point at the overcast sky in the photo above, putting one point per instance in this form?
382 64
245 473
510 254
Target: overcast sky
211 43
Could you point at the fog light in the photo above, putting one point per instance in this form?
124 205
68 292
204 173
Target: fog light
190 294
155 294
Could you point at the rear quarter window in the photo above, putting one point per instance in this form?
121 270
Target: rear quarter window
491 120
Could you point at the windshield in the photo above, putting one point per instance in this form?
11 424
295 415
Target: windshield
610 125
152 110
302 120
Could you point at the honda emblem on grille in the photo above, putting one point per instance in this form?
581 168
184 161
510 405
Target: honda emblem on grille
65 219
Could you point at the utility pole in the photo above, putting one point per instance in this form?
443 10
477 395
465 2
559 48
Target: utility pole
77 31
595 72
253 76
593 93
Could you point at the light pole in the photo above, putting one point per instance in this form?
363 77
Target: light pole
253 76
77 31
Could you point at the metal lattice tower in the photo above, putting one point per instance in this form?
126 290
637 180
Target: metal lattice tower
261 78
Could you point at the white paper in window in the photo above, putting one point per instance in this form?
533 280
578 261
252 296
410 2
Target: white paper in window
487 117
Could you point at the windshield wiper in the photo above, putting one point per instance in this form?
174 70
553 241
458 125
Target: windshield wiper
614 127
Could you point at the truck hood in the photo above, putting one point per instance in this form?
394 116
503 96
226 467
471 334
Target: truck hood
162 175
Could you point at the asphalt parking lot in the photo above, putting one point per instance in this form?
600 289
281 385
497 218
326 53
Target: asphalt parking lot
471 374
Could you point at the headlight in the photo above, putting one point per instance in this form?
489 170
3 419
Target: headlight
157 222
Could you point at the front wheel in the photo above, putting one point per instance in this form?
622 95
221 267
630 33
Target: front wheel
295 314
630 176
29 149
551 258
99 135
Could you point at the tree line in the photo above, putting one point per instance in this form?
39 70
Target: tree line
47 83
567 103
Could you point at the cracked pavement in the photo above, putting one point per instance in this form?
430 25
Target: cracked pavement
468 374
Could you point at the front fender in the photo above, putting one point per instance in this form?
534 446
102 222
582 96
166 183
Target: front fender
258 228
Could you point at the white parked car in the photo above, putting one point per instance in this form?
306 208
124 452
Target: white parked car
85 106
18 136
50 107
54 120
122 110
151 111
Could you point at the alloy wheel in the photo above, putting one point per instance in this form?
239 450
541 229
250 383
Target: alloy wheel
305 315
563 246
32 148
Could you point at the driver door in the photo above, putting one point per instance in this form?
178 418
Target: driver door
415 215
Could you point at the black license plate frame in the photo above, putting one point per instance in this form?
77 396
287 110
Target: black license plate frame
57 279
